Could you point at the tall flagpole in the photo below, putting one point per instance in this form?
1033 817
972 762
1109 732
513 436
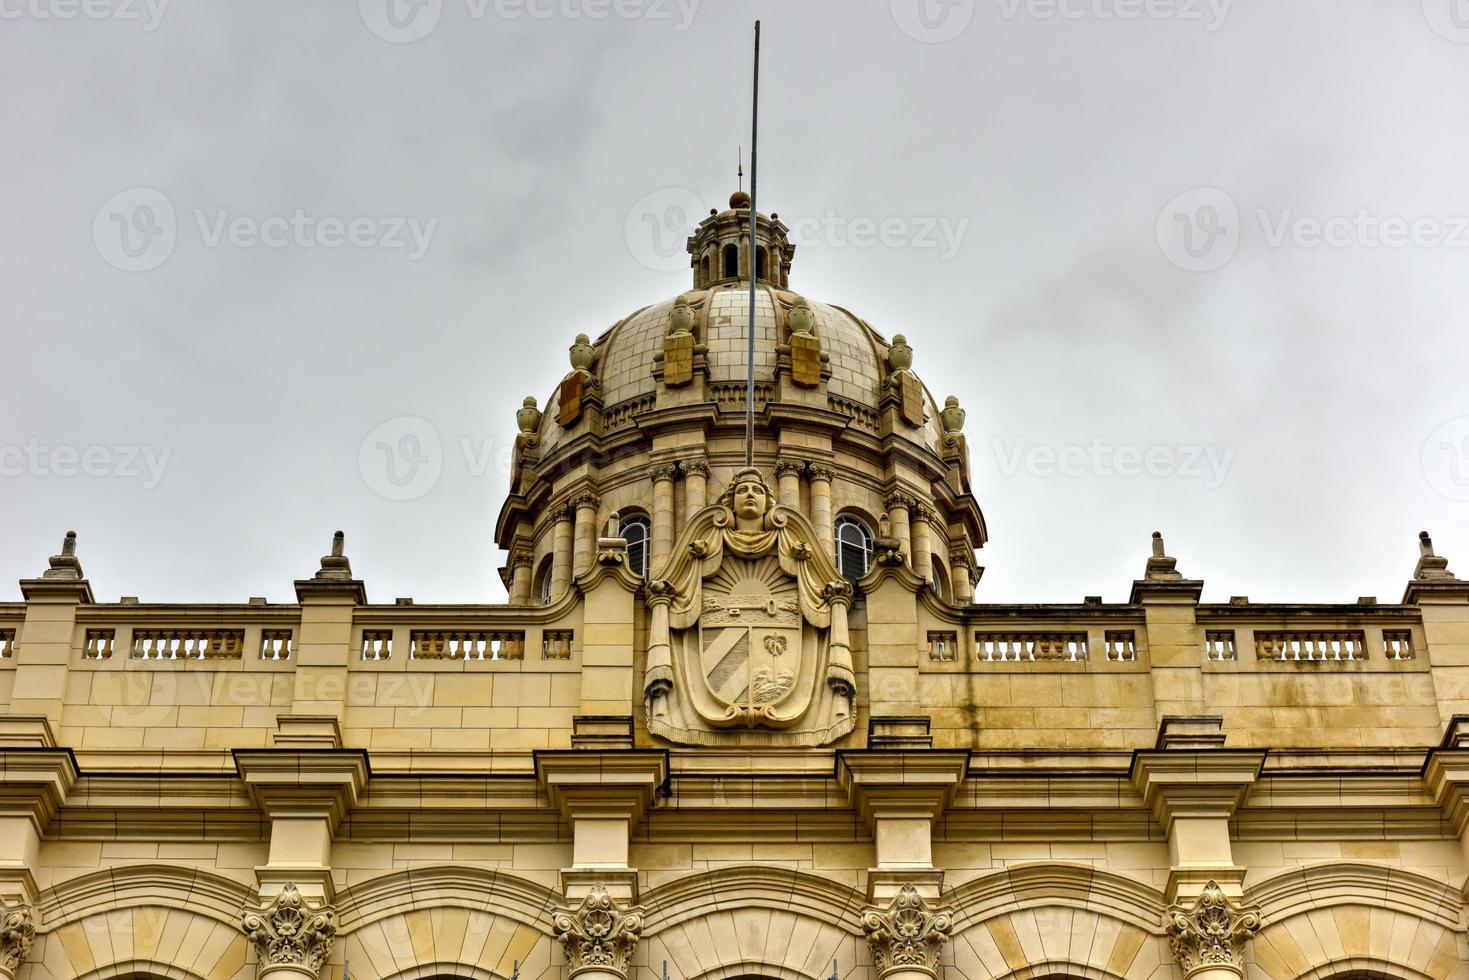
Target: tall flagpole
750 347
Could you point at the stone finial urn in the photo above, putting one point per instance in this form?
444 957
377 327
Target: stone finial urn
952 416
800 319
528 418
683 318
900 355
582 353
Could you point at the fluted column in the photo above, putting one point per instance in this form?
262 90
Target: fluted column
662 476
292 937
695 484
788 482
520 567
820 477
561 535
898 506
1208 937
584 549
922 548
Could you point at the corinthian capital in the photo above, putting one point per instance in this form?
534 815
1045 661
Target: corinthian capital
789 467
289 932
1212 932
599 935
899 501
663 471
907 935
17 933
698 466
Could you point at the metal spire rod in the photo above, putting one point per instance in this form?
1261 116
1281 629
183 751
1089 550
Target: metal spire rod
750 346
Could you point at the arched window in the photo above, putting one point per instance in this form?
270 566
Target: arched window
854 547
708 267
635 531
731 262
941 581
760 263
542 587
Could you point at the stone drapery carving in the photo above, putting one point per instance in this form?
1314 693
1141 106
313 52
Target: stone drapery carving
907 935
749 626
599 935
17 934
290 931
1212 932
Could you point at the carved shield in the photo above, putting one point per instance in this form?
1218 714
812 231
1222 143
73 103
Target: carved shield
750 651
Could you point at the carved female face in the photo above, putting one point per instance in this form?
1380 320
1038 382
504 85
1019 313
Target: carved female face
749 502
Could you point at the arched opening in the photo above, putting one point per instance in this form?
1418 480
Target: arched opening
708 267
760 263
636 530
541 584
941 580
731 262
853 547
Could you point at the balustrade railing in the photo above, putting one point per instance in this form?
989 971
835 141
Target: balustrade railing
1310 646
7 643
186 644
1031 647
467 645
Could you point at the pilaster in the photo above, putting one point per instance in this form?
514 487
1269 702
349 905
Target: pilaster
329 600
43 647
1170 608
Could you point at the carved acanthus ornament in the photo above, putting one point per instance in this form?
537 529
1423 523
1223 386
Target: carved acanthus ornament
599 934
816 472
1212 932
290 931
663 471
907 935
17 933
695 467
899 501
789 467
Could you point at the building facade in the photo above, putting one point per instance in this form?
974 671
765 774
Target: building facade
741 717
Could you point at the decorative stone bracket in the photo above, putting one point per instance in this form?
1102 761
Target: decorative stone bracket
1209 936
599 936
291 937
17 933
907 937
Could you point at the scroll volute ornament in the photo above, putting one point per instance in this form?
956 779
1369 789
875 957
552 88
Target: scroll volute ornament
290 932
599 935
908 935
1212 932
17 934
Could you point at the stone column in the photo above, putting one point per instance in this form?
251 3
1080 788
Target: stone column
1208 937
585 536
820 477
961 565
788 482
599 936
898 507
662 545
695 484
520 567
907 937
922 548
292 937
561 553
17 934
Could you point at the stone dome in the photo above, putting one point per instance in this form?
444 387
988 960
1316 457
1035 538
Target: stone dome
857 353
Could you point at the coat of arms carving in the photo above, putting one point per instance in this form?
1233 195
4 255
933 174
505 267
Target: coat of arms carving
749 629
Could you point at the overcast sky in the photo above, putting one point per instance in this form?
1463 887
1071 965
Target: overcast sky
1189 265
